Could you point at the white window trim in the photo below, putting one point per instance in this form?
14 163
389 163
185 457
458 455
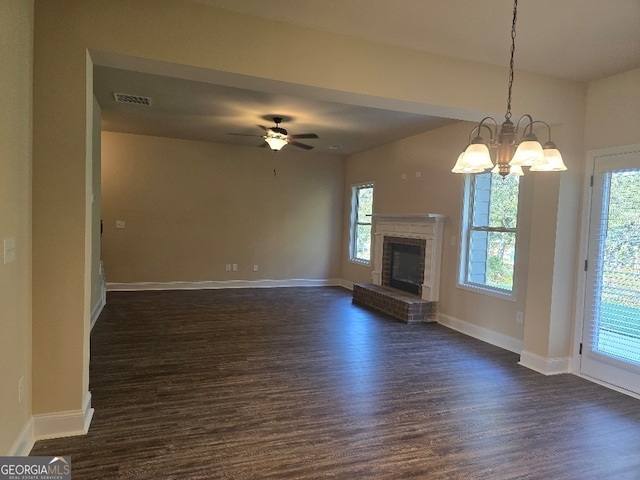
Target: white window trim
461 283
353 225
488 291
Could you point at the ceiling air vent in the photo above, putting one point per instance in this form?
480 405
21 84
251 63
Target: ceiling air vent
137 99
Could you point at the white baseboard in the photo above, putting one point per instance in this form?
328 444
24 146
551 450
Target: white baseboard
210 285
546 366
24 443
346 284
489 336
52 425
63 424
97 310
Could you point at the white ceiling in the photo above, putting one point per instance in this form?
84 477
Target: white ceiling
579 40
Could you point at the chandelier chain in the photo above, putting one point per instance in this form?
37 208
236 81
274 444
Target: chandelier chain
513 49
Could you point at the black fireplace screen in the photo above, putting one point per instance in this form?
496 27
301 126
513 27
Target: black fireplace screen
405 268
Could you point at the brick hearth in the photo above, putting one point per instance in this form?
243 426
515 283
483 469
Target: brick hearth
398 304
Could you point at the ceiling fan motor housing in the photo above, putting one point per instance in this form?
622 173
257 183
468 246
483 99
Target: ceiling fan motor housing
279 130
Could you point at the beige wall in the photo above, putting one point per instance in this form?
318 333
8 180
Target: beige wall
613 112
208 39
190 208
16 51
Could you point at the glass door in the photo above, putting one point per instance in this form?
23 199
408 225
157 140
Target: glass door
611 327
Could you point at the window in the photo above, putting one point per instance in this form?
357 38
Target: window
488 243
361 211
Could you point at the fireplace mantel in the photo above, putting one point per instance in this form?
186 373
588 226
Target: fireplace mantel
412 217
426 227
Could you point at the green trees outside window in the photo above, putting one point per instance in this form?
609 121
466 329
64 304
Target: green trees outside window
489 232
361 211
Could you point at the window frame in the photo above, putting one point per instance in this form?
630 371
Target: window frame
467 228
355 222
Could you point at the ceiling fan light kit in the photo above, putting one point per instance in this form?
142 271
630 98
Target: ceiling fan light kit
277 137
512 151
276 140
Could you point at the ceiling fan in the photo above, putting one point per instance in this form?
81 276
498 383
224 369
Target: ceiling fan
277 137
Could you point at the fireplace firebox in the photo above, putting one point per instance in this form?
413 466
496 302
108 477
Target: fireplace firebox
423 231
406 267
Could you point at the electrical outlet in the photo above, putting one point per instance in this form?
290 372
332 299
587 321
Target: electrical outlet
255 268
519 317
20 389
120 224
234 267
227 267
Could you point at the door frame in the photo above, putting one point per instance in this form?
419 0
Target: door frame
581 274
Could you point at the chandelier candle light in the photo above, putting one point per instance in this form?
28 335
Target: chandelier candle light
528 150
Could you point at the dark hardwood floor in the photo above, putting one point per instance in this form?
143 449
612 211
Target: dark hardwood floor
298 383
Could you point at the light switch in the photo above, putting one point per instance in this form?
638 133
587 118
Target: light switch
9 250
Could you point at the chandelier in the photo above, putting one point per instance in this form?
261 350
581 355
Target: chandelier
513 151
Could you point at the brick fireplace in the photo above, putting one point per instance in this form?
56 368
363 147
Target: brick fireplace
415 304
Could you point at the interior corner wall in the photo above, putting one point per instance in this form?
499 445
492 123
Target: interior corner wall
190 208
16 51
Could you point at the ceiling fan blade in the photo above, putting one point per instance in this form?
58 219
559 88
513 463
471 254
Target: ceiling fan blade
301 145
304 135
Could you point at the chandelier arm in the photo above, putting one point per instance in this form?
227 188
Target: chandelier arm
546 125
482 124
473 130
528 126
